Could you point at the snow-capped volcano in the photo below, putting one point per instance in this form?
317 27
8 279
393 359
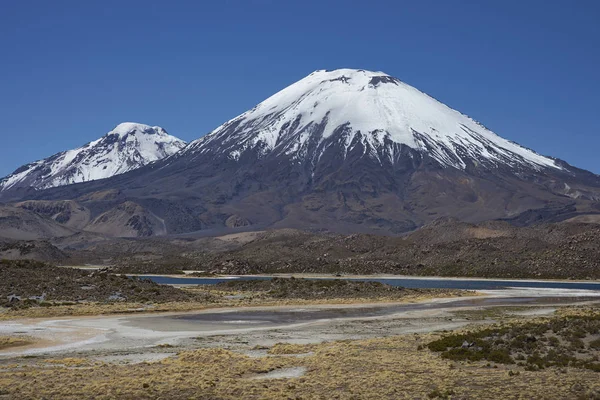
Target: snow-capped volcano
125 148
349 108
345 150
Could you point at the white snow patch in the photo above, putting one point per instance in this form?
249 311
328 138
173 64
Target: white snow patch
370 103
129 146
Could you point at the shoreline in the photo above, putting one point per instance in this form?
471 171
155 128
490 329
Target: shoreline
186 274
417 277
139 309
314 275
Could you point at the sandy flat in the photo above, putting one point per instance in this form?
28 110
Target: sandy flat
144 333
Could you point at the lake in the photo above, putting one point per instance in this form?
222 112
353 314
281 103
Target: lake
430 283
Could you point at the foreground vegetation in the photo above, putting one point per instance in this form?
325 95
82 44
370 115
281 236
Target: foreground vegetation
9 341
569 341
320 289
552 358
389 368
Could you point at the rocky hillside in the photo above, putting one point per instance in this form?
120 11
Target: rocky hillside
444 248
17 223
40 250
27 283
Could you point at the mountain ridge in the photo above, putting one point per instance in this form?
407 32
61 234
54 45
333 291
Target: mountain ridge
128 146
307 158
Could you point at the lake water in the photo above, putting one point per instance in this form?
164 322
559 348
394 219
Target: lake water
440 283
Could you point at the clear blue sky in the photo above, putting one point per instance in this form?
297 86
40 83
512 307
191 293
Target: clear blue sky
71 70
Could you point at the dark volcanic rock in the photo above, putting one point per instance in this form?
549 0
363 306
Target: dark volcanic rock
31 279
235 221
444 248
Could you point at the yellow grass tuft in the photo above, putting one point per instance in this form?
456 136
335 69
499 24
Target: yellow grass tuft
14 341
389 368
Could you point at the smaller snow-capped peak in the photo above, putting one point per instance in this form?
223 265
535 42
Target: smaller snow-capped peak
372 109
127 147
126 128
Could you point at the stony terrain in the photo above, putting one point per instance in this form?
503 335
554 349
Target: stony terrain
34 289
17 223
41 250
30 283
291 288
444 248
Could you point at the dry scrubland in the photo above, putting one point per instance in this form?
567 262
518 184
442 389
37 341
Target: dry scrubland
554 357
68 292
445 247
326 289
221 299
394 367
26 283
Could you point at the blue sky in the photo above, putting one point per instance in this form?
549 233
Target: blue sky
72 70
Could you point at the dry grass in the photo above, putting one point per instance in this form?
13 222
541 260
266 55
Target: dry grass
255 299
390 368
68 362
84 309
290 348
568 340
11 341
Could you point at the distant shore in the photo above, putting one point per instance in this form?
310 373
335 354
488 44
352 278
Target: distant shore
374 276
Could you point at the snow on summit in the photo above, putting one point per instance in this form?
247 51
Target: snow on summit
128 146
370 108
334 113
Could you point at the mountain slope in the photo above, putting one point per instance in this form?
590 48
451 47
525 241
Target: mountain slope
21 224
66 212
127 220
351 108
127 147
348 151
